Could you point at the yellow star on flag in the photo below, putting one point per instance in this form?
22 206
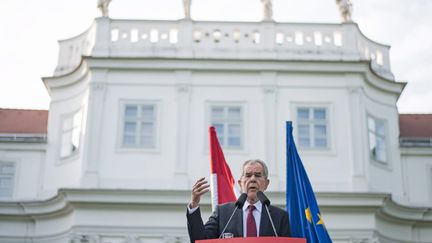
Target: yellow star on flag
308 215
320 220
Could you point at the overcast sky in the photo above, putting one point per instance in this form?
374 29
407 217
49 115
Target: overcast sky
29 30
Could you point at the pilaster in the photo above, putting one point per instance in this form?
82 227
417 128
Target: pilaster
359 138
183 87
269 89
94 128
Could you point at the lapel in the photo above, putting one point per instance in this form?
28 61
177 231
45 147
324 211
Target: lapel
265 225
238 220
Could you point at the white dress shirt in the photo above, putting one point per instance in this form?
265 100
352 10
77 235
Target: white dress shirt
256 213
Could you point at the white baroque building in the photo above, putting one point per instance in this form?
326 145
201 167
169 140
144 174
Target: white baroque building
126 133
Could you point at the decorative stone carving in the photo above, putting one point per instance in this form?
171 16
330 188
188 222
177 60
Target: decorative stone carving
375 240
131 239
103 7
365 240
183 88
269 89
77 238
345 9
267 10
354 90
175 239
98 87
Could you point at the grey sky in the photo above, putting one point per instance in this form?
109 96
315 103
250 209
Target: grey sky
30 30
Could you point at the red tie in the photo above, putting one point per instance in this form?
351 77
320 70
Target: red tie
251 230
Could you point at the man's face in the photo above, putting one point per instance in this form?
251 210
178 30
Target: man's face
252 181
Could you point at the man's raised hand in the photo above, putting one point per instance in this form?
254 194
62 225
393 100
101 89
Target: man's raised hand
200 187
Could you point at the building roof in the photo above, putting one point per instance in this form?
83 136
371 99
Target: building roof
17 121
415 125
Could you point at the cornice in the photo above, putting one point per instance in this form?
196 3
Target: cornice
416 151
251 65
24 146
67 199
29 209
65 80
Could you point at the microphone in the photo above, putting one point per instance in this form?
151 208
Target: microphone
239 204
241 200
266 202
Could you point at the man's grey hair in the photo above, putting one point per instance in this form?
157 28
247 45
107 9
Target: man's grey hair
256 161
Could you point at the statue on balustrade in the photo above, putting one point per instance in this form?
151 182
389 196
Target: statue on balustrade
103 6
267 10
345 9
187 8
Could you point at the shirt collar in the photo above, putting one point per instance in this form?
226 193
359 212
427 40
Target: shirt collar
258 206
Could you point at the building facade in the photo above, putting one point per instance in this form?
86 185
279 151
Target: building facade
131 102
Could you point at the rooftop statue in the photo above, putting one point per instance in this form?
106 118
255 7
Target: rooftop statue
345 9
187 8
267 10
103 6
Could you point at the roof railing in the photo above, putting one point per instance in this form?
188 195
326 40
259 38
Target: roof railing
23 138
223 39
415 142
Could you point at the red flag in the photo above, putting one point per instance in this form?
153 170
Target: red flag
221 179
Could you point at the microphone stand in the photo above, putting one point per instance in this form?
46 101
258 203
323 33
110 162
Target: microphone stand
229 220
271 220
240 202
264 200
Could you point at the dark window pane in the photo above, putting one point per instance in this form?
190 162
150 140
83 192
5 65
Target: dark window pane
234 141
320 142
320 130
304 131
147 112
234 113
319 114
217 113
131 111
303 113
128 140
130 127
304 142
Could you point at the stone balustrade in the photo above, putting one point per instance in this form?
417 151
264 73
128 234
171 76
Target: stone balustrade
227 40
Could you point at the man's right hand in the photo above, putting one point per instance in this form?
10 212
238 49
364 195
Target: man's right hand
200 188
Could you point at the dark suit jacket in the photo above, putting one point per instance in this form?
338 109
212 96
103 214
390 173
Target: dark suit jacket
218 220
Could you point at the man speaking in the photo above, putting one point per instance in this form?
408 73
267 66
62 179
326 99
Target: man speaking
250 216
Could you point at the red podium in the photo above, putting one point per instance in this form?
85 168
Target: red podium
255 240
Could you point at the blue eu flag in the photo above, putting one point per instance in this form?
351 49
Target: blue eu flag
305 217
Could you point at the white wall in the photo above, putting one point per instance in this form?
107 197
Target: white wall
417 175
269 98
29 160
68 95
385 177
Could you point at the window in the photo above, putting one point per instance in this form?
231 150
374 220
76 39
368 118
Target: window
70 136
228 121
312 127
139 126
377 144
7 176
